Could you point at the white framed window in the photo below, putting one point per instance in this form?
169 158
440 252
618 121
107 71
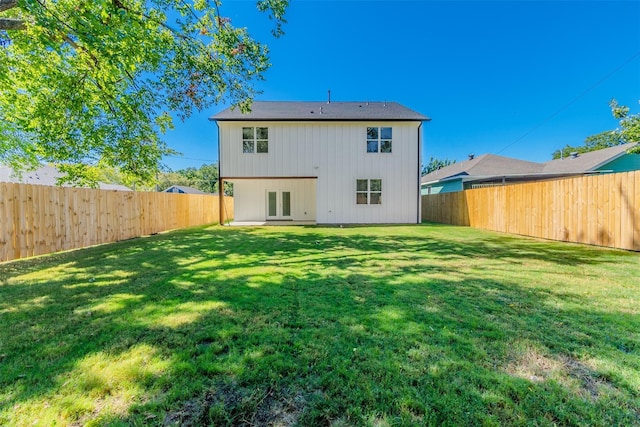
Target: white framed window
379 139
255 140
368 191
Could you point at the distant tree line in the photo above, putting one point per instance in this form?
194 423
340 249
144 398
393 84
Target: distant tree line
435 164
628 131
204 178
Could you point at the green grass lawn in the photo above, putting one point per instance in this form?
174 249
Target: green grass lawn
380 326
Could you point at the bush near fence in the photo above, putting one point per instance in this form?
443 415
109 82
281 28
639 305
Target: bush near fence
38 219
597 209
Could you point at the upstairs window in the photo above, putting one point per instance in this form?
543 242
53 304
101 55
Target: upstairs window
369 191
255 140
379 140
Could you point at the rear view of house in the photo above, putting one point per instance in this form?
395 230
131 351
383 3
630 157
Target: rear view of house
327 163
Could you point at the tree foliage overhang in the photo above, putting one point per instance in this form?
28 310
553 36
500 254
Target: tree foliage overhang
97 82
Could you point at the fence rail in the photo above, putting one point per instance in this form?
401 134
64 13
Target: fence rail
38 219
600 210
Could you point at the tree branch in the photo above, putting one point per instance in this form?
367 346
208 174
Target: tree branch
78 47
7 4
11 24
162 24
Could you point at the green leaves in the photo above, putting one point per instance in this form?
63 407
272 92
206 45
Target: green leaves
629 131
277 9
435 164
98 82
618 111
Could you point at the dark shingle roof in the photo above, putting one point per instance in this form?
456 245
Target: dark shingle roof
586 162
321 111
484 165
490 165
183 189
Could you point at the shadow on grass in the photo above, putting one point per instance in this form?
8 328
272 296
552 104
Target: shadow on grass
317 326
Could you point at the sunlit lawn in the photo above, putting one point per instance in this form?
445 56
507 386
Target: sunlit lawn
415 325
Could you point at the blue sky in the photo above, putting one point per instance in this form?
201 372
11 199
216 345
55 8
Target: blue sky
516 78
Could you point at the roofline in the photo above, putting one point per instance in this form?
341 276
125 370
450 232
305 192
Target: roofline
448 178
426 119
469 178
602 163
617 156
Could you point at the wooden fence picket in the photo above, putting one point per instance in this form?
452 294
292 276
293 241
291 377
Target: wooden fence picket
599 210
37 219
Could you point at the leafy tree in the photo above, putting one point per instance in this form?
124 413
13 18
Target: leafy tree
204 178
629 131
208 178
113 175
591 143
96 83
435 164
167 179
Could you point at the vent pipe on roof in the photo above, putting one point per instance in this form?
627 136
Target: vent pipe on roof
574 155
471 156
329 96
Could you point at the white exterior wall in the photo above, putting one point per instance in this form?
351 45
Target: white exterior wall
250 198
335 153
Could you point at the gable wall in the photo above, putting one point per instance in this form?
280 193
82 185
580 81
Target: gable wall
626 163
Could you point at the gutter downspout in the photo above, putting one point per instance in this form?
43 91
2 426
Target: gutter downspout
419 216
220 183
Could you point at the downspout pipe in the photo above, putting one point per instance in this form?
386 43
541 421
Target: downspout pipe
220 183
419 213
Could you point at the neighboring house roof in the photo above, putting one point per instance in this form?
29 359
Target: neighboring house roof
489 167
587 162
183 189
321 111
484 165
46 175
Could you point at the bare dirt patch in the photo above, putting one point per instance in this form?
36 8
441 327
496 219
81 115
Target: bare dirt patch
572 373
239 406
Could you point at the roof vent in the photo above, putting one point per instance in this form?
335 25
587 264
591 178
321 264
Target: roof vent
471 156
329 96
574 155
320 110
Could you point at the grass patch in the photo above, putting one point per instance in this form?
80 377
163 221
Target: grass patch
379 326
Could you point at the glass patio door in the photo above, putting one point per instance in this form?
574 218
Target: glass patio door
278 204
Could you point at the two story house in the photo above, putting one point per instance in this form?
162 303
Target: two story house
322 162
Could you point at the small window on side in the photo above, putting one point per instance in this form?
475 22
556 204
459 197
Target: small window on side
255 140
379 139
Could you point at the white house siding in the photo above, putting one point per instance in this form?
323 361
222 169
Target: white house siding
335 153
250 198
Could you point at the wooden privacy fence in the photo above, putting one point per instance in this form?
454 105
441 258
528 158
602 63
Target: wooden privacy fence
600 210
38 219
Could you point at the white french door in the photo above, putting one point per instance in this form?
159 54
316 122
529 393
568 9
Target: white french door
278 204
